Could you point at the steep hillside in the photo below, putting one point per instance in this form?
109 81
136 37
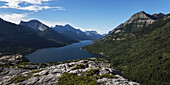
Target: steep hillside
35 25
18 39
46 32
142 55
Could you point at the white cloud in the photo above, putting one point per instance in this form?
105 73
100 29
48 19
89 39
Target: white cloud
36 5
14 18
37 8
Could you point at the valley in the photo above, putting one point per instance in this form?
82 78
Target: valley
135 52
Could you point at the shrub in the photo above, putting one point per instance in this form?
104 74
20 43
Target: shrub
79 67
73 79
91 72
19 78
104 76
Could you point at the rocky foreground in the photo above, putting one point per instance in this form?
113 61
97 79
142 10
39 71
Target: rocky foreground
50 74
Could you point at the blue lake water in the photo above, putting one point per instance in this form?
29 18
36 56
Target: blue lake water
69 52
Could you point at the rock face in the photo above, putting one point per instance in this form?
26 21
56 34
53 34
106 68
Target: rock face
51 74
141 17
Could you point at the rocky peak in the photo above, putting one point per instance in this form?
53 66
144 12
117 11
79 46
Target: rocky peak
91 32
138 20
157 16
140 16
35 24
67 25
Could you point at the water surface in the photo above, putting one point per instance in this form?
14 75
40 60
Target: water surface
69 52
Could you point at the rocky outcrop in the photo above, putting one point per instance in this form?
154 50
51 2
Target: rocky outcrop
51 74
13 59
141 17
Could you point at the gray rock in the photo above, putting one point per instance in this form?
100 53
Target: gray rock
32 81
1 69
48 77
44 72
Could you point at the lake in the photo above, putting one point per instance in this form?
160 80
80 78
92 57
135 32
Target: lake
69 52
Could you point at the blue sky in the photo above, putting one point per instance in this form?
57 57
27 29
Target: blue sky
99 15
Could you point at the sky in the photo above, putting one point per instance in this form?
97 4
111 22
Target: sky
99 15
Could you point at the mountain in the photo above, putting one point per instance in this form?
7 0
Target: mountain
142 55
76 34
21 40
35 25
137 21
93 34
46 32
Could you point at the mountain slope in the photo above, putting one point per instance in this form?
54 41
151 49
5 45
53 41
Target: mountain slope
46 32
137 21
141 55
34 25
76 34
18 39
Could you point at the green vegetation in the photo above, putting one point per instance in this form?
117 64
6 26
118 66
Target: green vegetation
73 79
144 55
36 71
104 76
19 78
91 72
79 67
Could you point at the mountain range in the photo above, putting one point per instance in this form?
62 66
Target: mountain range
46 32
139 48
76 34
19 39
29 36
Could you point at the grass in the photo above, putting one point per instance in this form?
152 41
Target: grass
80 66
104 76
91 72
36 71
73 79
19 78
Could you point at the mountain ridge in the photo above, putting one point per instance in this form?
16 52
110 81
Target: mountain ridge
47 32
19 39
75 34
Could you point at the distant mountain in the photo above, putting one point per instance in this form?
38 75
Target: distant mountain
93 34
76 34
46 32
34 25
19 39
